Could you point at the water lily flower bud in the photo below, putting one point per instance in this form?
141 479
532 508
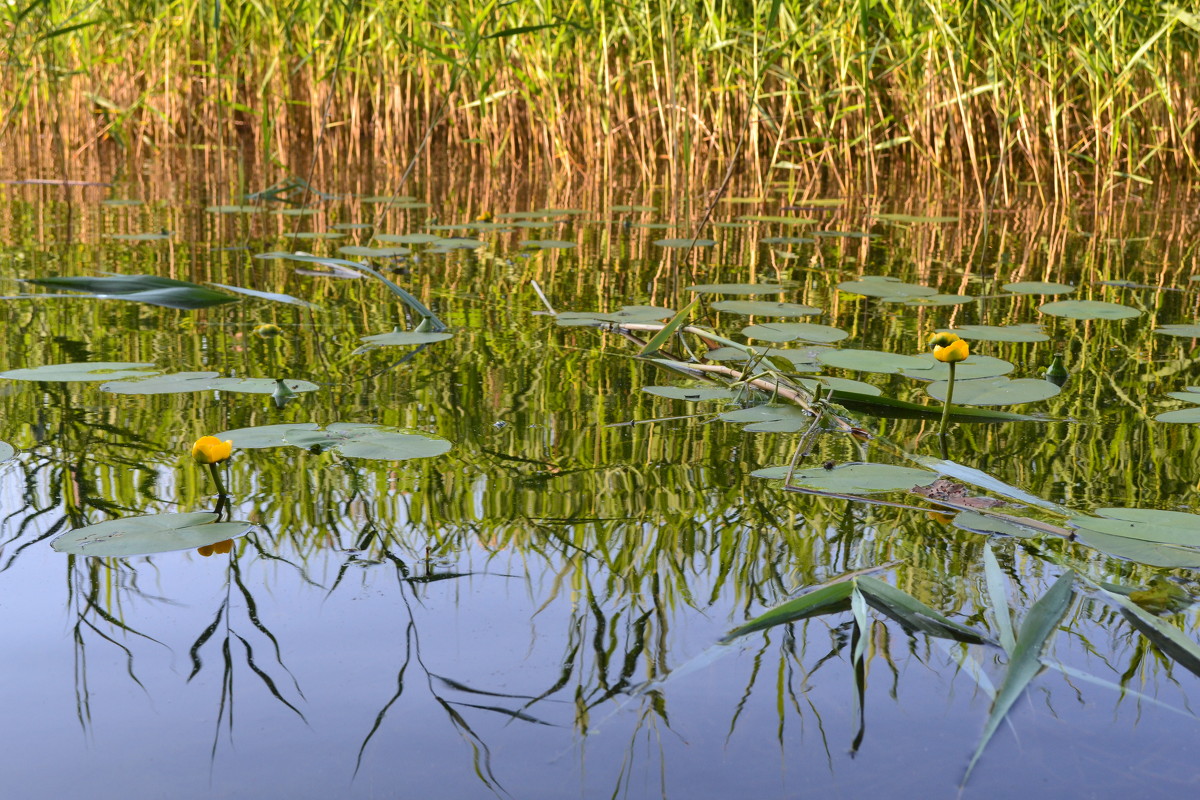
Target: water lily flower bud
943 339
952 353
211 450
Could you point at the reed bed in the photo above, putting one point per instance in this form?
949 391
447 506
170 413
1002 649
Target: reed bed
1069 98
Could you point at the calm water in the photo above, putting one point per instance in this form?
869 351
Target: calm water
538 612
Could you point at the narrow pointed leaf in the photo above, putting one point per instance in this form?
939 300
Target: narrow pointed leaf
825 600
913 614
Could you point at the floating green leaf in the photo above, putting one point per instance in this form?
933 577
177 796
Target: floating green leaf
139 237
1165 636
995 391
149 289
1038 287
408 238
7 451
1027 332
854 478
359 251
81 372
684 242
1146 524
632 208
790 331
1167 556
153 533
629 314
776 220
1191 331
828 599
827 382
548 244
786 240
406 337
765 308
1183 415
736 288
883 286
989 525
1088 309
899 409
278 297
351 439
692 394
235 209
770 418
873 361
912 218
934 300
183 382
1026 658
975 366
913 614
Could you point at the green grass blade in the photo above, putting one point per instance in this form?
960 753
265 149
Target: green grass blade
1166 637
998 596
913 614
825 600
660 338
1040 624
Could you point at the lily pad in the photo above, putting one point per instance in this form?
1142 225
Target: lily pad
351 439
7 451
1027 332
183 382
1151 553
1184 331
456 243
777 220
1038 287
149 289
912 218
692 394
684 242
408 238
373 252
770 418
81 372
235 209
826 382
974 367
765 308
786 240
1088 309
995 391
934 300
277 297
153 533
873 361
407 337
736 288
1183 415
988 525
882 286
854 478
548 244
139 237
626 314
790 331
1144 524
632 208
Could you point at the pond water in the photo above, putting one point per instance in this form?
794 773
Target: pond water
524 575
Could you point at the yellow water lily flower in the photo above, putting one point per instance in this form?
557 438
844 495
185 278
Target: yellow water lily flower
211 450
952 353
943 339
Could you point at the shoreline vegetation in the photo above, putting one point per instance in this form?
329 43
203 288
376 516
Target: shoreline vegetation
998 97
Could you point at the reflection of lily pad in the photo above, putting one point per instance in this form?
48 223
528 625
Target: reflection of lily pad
974 367
736 288
692 394
882 286
770 418
407 337
1038 287
1026 332
154 533
1088 309
790 331
995 391
351 439
855 478
873 361
83 371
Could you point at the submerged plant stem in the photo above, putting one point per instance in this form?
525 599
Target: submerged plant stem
216 476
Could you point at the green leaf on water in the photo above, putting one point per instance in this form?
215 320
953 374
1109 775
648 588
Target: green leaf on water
1038 287
913 614
692 394
873 361
350 439
770 418
1165 636
1191 331
149 289
138 237
827 382
975 366
776 220
995 391
891 408
1088 309
854 478
829 599
659 339
684 242
1183 415
408 238
548 244
153 533
765 308
1167 556
913 218
628 314
989 525
1025 661
933 300
406 338
81 372
359 251
791 331
883 286
235 209
277 297
1026 332
7 452
786 240
736 288
632 208
997 589
183 382
1146 524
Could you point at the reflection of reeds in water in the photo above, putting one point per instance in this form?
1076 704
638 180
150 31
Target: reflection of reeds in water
1078 100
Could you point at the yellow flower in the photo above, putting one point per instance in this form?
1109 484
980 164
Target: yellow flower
211 450
943 339
267 331
953 352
